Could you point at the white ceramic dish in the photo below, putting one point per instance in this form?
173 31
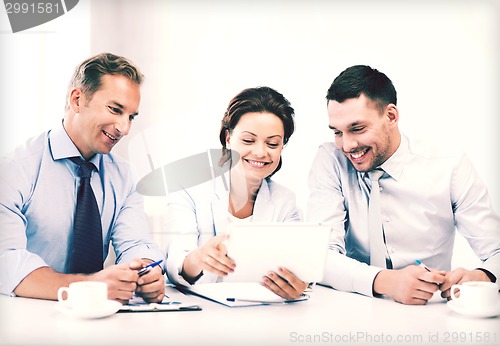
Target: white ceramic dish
491 311
105 310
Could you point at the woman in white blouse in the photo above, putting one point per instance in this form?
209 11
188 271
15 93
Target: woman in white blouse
256 126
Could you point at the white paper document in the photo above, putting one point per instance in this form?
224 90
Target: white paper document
235 294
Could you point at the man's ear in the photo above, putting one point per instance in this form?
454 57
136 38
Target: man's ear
75 99
392 114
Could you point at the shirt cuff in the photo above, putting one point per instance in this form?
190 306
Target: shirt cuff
347 274
490 275
363 283
175 261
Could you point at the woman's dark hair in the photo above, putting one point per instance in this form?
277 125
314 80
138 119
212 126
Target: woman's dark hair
256 100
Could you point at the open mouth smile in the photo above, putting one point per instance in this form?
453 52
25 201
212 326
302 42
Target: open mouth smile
358 155
257 164
114 139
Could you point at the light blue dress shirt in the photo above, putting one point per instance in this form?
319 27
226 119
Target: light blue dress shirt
426 194
38 187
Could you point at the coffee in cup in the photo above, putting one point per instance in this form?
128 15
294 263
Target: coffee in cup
84 295
476 295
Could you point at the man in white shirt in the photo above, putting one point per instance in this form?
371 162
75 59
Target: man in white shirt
425 194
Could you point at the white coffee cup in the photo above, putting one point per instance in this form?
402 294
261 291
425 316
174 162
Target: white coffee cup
476 295
84 295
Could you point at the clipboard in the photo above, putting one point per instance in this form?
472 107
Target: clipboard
137 304
158 307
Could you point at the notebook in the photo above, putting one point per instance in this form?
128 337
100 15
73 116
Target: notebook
258 248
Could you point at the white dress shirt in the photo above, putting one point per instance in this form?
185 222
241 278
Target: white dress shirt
199 213
425 196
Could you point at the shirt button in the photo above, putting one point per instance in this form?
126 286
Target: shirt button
393 250
388 219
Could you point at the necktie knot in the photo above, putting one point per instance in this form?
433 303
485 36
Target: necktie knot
375 174
85 168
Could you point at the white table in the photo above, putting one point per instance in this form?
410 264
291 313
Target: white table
329 317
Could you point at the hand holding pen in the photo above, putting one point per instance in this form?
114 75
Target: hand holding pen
152 287
440 279
148 268
420 264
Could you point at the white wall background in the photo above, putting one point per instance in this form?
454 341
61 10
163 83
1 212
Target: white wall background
441 55
35 68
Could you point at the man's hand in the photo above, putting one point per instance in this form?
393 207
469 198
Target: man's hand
150 286
411 285
460 275
121 280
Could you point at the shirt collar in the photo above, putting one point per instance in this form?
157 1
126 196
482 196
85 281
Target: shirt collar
394 166
62 147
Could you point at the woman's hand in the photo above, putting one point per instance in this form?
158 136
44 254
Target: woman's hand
210 257
284 284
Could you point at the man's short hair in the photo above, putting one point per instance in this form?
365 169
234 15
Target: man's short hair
87 75
362 79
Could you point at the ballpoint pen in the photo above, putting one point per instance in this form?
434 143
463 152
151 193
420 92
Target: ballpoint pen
264 302
420 264
245 300
148 267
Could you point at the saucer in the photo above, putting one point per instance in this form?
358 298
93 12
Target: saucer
490 311
109 308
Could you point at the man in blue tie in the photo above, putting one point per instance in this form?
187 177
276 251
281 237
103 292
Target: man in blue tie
421 193
64 197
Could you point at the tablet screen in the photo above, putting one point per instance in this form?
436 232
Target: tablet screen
258 248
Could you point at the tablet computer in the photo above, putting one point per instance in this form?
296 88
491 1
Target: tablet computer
258 248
